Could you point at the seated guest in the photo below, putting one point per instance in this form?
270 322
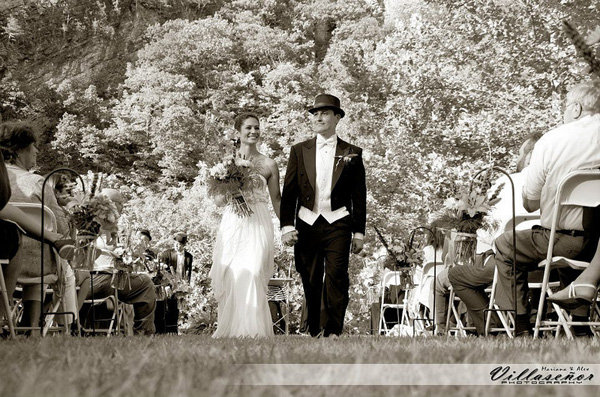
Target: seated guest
146 238
17 141
423 277
179 262
9 232
139 291
12 221
142 254
469 282
582 290
571 146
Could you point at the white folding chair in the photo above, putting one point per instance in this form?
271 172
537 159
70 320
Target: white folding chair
460 329
392 278
282 296
507 321
578 188
423 294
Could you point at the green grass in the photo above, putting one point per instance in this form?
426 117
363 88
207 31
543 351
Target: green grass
196 365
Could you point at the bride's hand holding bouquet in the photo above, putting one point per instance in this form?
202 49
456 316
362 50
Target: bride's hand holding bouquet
228 180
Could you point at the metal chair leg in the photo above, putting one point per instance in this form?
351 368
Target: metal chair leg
6 302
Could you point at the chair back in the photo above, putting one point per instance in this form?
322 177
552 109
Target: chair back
31 248
400 278
580 188
523 220
35 209
577 188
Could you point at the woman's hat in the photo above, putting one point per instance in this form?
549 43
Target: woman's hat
326 101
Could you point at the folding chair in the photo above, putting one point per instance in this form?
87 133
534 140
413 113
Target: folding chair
393 278
112 323
282 296
508 320
425 291
578 188
460 329
49 225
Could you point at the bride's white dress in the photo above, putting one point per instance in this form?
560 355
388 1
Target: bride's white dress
242 267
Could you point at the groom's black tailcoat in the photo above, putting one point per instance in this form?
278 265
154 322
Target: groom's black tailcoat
323 247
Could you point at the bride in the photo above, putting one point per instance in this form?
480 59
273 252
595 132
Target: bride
244 247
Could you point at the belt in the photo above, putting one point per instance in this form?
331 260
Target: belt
572 233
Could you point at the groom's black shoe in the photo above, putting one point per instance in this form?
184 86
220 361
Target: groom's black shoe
327 333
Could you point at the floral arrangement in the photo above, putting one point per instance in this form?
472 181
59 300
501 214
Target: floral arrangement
468 211
463 215
230 178
402 258
124 268
400 255
90 212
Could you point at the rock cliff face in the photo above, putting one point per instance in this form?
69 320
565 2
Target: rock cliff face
86 41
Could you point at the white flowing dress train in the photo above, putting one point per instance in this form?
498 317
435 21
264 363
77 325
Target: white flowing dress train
242 266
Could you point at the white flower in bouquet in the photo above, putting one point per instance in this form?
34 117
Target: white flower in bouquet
218 171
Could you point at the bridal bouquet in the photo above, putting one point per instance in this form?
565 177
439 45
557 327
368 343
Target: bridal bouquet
230 178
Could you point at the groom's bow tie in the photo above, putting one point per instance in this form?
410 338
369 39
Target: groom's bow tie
324 144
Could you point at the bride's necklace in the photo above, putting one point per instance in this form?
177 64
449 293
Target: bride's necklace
248 157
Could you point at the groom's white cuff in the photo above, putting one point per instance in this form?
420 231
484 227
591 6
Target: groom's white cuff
359 236
287 229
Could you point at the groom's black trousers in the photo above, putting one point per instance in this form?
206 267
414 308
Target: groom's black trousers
324 248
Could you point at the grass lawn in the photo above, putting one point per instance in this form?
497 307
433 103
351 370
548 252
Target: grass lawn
196 365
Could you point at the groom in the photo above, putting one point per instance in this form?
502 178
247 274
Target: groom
323 212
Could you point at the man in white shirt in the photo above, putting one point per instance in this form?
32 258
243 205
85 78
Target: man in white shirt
571 146
323 212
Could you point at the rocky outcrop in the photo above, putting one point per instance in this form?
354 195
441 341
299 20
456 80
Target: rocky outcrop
90 42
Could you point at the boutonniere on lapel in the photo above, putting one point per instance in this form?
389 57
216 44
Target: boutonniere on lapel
345 157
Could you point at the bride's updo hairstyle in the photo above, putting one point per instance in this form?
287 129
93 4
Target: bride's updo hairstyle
239 120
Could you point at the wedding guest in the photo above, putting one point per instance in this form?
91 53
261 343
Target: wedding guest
582 291
13 221
146 239
143 254
179 262
574 145
17 141
139 291
469 282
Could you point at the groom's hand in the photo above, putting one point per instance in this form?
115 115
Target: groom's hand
290 238
357 245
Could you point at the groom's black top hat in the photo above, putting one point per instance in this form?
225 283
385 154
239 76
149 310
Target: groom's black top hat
326 101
